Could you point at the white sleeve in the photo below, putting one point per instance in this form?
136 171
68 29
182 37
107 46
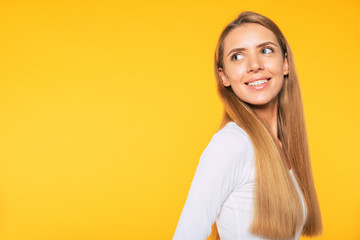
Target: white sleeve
219 171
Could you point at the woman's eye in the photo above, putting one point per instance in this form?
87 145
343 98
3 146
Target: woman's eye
237 57
267 50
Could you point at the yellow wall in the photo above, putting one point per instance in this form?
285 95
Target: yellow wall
106 106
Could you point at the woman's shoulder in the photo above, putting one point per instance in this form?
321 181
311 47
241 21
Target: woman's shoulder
231 139
229 153
230 132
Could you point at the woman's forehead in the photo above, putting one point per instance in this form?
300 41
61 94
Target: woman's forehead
248 35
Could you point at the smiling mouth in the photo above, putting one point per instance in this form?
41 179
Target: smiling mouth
258 82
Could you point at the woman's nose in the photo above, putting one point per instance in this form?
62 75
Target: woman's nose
254 63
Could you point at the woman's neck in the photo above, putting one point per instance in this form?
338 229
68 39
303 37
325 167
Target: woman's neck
268 113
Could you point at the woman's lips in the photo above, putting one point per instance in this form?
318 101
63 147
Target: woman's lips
261 84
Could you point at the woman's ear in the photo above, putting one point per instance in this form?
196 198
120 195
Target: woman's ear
224 79
285 65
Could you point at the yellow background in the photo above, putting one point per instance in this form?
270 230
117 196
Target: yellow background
106 107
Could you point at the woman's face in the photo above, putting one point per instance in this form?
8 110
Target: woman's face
253 64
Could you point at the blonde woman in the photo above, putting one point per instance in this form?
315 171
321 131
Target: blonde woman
254 179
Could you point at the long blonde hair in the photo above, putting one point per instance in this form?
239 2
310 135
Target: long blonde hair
277 207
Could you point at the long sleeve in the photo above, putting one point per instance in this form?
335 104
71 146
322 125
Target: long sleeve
219 171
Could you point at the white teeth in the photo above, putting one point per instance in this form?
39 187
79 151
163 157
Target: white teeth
258 82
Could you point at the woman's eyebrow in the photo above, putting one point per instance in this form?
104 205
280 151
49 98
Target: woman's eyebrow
258 46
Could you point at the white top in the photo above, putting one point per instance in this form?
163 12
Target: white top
223 190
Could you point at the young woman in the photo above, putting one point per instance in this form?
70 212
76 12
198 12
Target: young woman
254 178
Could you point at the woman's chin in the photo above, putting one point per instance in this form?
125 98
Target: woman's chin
262 103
